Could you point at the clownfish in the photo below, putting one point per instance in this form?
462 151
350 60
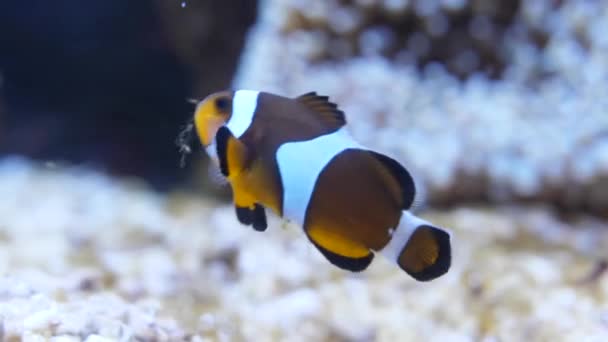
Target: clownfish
295 157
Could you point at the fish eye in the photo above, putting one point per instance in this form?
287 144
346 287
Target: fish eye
222 103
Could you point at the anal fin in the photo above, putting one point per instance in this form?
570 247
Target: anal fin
340 251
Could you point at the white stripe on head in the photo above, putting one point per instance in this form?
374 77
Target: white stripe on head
402 233
244 104
300 164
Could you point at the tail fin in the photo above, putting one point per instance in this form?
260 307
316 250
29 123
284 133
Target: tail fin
419 248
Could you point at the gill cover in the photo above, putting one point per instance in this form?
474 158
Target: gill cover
210 114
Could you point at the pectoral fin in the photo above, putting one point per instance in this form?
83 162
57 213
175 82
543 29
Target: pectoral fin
244 215
340 251
232 153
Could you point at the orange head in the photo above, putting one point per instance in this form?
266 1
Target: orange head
211 114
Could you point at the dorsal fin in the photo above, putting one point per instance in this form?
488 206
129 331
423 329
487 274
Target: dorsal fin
327 111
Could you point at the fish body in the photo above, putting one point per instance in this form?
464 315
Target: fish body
296 157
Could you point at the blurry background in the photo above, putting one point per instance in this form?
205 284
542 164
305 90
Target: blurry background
508 96
498 107
105 83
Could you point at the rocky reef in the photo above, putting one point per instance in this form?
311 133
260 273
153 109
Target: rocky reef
514 112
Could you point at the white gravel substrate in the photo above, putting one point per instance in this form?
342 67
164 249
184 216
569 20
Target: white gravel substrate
86 257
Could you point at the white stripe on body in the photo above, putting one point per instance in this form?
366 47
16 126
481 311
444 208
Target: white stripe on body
300 164
402 233
244 104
